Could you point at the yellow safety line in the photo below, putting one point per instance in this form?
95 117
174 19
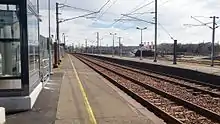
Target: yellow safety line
86 102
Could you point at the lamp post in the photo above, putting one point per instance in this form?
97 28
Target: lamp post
64 41
141 40
113 44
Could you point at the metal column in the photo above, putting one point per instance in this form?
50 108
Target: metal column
213 42
57 33
174 51
155 38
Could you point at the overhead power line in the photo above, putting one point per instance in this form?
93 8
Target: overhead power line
127 20
81 9
132 12
165 30
107 9
138 5
205 24
141 7
201 17
190 25
85 15
77 8
77 17
149 11
103 6
137 19
142 13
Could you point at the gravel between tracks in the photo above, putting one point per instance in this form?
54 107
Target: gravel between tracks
180 112
203 100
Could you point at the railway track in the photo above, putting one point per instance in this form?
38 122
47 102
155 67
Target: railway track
169 107
210 89
190 94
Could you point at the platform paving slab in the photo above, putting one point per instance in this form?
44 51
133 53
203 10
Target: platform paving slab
44 110
61 101
109 104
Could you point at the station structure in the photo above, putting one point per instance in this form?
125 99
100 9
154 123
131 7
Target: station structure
76 93
24 54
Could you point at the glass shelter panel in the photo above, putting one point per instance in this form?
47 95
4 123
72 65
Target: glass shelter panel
33 45
44 58
10 59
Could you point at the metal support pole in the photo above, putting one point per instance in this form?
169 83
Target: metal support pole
213 42
64 40
57 33
97 42
155 44
86 46
55 56
72 47
49 42
141 46
120 49
113 46
141 36
174 51
100 52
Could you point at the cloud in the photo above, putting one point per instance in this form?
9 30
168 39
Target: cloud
172 14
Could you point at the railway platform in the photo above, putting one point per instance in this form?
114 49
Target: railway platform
78 95
215 70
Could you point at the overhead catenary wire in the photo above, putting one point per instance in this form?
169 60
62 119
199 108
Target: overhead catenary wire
138 19
104 6
151 12
138 5
69 6
141 7
77 17
132 12
201 22
201 16
106 10
148 12
85 15
97 18
190 25
142 13
165 30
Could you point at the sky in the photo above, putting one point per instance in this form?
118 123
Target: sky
172 17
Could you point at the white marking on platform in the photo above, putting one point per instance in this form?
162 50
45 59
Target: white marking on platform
49 88
52 84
